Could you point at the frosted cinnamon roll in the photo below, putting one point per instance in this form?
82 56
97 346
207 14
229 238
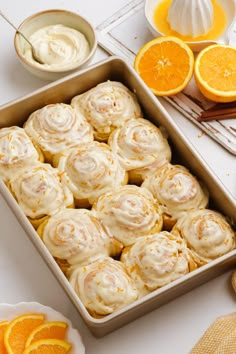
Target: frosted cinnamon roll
156 260
103 286
129 212
207 233
57 127
16 151
177 190
107 106
89 171
40 192
77 236
141 148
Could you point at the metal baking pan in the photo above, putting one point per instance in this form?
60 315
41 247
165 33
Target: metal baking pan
114 68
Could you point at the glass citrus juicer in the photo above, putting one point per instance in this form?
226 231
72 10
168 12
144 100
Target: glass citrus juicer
198 22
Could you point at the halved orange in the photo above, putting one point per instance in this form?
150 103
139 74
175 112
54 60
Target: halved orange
55 329
48 346
215 72
19 329
165 64
3 326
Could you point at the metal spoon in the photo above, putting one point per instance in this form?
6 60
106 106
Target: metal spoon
34 54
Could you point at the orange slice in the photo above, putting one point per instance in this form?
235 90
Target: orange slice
19 329
3 326
56 330
48 346
215 72
165 64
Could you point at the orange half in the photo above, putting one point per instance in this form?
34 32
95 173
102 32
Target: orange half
165 64
215 72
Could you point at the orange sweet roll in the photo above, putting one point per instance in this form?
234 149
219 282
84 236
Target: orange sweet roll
89 171
57 127
104 286
207 234
107 106
177 191
141 148
16 151
156 260
40 192
77 237
129 212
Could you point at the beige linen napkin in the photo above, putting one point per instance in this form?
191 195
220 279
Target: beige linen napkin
220 337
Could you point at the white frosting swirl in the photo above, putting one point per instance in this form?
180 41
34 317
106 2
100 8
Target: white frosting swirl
57 127
107 106
58 47
77 236
155 261
207 233
103 286
129 212
176 189
91 170
16 151
139 143
39 191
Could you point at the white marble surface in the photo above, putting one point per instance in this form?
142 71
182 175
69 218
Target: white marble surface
171 329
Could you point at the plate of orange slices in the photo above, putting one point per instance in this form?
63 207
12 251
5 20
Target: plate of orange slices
32 328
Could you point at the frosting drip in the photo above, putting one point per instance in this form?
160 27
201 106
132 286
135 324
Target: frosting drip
39 191
107 106
57 127
155 261
129 212
104 286
78 236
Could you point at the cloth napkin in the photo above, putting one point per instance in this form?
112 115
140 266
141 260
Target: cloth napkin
220 337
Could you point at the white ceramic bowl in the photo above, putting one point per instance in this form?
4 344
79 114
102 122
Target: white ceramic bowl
10 311
229 7
53 17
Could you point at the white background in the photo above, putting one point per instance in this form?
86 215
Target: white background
171 329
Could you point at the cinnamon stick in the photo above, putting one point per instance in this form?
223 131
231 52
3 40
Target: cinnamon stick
218 113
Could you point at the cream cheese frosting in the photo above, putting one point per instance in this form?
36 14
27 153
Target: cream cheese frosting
155 261
78 236
129 212
139 143
176 189
16 151
39 191
59 47
57 127
103 286
91 170
107 106
207 234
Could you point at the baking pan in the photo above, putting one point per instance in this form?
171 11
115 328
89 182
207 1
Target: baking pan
114 68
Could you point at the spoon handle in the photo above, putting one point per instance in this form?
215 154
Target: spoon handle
10 23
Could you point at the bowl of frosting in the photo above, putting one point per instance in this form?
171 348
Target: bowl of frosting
198 22
64 42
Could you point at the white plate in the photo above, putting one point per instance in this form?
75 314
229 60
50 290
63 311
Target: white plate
9 312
